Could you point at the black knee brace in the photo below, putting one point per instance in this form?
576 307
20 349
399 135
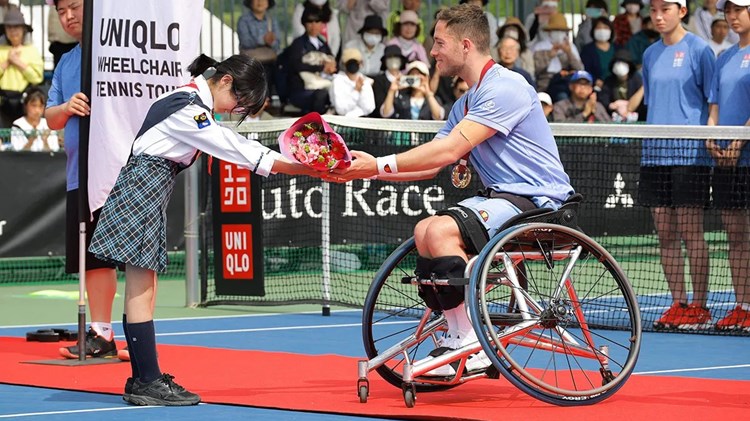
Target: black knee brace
445 268
427 293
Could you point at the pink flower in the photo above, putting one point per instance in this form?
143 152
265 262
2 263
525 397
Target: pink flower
312 142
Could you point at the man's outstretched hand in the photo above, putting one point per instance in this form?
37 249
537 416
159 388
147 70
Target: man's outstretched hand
363 165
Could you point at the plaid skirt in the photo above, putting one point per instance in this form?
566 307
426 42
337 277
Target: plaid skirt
133 223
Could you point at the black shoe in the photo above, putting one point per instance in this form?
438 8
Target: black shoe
96 347
128 389
161 392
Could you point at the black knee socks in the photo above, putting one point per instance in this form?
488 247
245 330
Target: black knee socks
133 365
142 346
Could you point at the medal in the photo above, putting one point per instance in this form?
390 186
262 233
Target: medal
461 175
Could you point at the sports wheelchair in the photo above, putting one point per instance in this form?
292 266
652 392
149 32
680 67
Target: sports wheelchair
552 310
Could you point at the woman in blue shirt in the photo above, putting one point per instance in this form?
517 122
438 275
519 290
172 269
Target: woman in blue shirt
675 173
730 89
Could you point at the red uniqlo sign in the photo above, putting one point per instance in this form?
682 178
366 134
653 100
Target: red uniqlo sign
234 185
237 250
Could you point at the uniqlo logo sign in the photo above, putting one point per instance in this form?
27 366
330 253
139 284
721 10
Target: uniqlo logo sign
234 186
237 251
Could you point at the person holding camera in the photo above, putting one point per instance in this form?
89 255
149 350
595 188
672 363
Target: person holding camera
409 97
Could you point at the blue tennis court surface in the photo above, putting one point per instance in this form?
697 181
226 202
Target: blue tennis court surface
699 356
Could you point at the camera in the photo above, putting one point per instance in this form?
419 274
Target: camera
410 81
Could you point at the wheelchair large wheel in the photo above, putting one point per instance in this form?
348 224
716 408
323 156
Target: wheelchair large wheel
395 318
555 314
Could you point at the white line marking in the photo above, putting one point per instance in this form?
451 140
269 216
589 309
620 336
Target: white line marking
682 370
266 329
239 316
77 411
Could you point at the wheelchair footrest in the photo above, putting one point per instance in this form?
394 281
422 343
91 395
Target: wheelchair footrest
435 282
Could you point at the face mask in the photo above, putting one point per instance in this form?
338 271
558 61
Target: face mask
632 8
352 66
593 12
372 39
557 37
620 69
511 33
602 34
393 63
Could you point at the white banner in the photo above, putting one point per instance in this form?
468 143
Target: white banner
140 49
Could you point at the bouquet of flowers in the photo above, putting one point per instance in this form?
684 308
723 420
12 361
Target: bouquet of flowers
311 141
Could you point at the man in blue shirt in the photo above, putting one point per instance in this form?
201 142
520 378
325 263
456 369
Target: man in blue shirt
499 124
675 173
65 106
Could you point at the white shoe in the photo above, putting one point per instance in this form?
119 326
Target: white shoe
476 362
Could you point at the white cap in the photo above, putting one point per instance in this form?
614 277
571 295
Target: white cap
720 4
419 65
544 98
682 3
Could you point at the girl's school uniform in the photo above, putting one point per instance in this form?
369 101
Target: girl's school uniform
178 126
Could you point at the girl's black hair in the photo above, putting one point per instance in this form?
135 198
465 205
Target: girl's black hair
248 75
324 12
32 93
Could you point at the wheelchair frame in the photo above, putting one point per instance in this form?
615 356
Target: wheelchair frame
534 323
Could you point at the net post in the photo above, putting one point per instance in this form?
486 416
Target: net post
81 290
325 246
192 218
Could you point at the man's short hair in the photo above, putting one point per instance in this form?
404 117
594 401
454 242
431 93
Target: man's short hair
468 21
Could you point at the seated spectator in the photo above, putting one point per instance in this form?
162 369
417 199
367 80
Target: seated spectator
392 63
458 88
330 30
703 19
555 57
536 21
582 106
594 9
508 51
311 66
20 66
370 44
719 32
259 35
413 5
629 22
412 101
405 35
618 94
547 106
30 132
351 91
491 19
597 54
642 40
357 11
513 28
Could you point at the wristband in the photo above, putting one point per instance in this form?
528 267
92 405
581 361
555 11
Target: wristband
387 165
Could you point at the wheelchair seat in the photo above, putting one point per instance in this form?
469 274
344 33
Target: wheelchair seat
566 215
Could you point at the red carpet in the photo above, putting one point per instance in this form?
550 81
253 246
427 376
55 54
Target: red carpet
328 384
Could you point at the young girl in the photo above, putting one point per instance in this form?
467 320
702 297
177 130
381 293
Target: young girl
675 173
731 194
30 132
132 225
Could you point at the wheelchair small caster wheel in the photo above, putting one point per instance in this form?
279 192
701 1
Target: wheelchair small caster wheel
410 395
363 392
